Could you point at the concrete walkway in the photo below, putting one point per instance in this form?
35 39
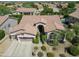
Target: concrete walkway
19 49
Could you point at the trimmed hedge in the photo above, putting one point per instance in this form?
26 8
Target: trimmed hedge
2 34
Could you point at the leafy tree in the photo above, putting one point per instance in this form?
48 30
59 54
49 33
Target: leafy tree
47 11
2 34
4 10
70 35
74 50
28 4
75 40
76 28
71 4
66 11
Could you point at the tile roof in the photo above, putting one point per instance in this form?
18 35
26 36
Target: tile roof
3 19
25 9
27 23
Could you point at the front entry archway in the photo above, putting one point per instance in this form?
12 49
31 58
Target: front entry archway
41 29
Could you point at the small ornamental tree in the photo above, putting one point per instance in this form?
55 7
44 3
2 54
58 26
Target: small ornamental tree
36 39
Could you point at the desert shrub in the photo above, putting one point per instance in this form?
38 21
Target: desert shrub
36 48
40 54
62 55
54 48
50 54
33 54
74 50
43 48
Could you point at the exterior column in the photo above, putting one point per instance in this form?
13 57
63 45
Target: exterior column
48 35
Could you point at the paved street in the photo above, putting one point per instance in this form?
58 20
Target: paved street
19 49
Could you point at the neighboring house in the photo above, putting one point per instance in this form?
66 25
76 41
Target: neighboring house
26 11
32 24
6 23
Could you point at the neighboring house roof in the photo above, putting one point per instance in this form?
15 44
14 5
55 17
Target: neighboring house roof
25 9
75 13
50 23
3 19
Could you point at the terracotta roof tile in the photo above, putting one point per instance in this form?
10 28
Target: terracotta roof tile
27 23
25 9
3 18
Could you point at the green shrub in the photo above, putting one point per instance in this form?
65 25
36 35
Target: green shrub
4 10
2 34
70 35
40 54
74 50
50 54
36 41
43 48
47 11
44 37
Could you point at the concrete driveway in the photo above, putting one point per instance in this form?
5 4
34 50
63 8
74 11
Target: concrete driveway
19 49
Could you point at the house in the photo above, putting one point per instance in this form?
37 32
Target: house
6 23
30 25
26 11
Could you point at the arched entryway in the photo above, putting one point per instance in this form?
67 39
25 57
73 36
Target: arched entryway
41 29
